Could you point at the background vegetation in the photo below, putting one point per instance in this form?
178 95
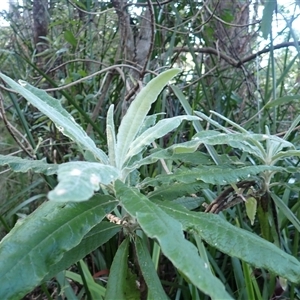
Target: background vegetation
235 62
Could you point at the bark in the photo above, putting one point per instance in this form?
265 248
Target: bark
136 45
40 23
229 33
233 37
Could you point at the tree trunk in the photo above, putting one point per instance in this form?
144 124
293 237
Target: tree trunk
40 26
136 46
229 22
229 33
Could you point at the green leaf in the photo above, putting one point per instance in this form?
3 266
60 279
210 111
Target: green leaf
218 125
111 136
158 130
250 143
39 242
251 207
215 138
65 286
149 122
249 282
227 16
189 203
155 290
221 175
121 284
197 125
79 179
175 190
282 100
283 154
247 142
236 242
53 109
137 111
168 233
197 158
266 22
286 211
80 4
70 38
93 286
99 235
18 164
89 282
291 128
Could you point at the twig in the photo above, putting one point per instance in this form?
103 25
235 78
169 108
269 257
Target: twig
145 4
231 61
114 67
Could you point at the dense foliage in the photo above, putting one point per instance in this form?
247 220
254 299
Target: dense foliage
149 150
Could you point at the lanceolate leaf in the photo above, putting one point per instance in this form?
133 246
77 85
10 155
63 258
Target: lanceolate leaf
196 158
282 101
286 211
99 235
151 134
121 284
155 290
111 136
168 232
53 109
149 121
79 179
175 190
189 203
93 286
292 128
39 242
236 242
89 281
137 111
250 143
213 174
70 38
283 154
19 164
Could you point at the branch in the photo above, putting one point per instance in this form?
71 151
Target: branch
230 60
276 47
153 3
126 34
